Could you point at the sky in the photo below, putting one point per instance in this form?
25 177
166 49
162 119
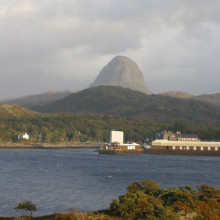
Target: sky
63 44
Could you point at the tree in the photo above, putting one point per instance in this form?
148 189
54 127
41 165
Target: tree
28 206
151 187
137 205
134 187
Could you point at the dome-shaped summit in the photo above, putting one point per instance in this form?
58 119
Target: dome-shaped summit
122 71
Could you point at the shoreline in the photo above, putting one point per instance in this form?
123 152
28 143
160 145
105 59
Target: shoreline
49 146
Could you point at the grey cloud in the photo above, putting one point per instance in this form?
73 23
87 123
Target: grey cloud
67 42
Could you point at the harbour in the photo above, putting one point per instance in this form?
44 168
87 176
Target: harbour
170 143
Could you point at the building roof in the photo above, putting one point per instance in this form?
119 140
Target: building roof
186 143
187 135
130 144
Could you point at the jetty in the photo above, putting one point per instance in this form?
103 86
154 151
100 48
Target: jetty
166 143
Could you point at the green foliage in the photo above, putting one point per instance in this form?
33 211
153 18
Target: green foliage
27 206
208 192
146 200
139 205
64 128
114 207
134 187
70 135
150 187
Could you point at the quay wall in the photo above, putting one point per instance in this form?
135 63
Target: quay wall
161 152
104 151
182 152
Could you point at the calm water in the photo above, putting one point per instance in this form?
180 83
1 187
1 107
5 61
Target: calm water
56 180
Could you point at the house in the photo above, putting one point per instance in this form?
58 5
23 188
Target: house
187 137
176 136
23 136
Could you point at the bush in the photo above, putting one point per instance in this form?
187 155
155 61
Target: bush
146 200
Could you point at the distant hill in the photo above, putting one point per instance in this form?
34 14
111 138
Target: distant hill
127 102
208 98
37 100
177 94
12 111
124 72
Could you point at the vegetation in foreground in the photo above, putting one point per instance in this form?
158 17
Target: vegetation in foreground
147 200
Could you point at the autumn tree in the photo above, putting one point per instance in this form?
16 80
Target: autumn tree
28 206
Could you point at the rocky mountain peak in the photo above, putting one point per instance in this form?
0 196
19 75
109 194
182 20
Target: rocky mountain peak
122 71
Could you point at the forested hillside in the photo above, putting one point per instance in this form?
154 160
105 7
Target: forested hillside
88 128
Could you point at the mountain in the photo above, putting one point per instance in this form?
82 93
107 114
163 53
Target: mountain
208 98
122 71
11 111
177 94
126 102
33 101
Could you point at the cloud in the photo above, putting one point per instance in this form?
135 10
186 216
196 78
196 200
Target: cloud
67 42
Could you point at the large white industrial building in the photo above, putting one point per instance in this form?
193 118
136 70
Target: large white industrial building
117 137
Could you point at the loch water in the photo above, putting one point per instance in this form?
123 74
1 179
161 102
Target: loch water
57 179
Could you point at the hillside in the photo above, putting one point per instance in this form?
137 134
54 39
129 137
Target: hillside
14 111
177 94
37 100
213 99
208 98
127 103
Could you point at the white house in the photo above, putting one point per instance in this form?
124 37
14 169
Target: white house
23 136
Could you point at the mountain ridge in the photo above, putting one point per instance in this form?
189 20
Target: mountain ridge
177 94
208 98
32 101
126 102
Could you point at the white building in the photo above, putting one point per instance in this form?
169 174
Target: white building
117 142
186 145
117 137
23 136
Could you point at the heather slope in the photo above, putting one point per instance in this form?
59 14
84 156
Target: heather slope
37 100
126 102
14 111
208 98
177 94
